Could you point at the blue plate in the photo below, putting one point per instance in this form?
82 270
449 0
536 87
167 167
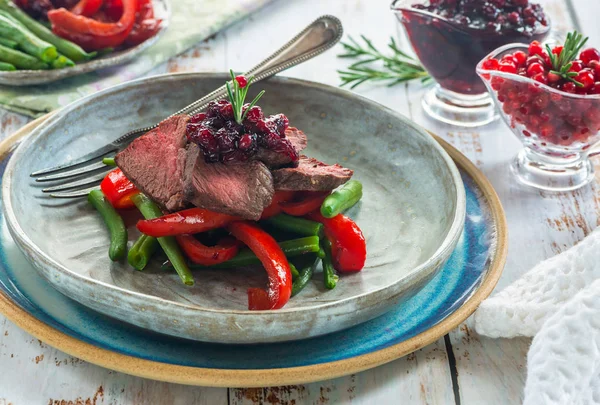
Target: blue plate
480 252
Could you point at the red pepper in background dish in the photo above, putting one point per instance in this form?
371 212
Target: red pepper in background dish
309 202
274 208
145 25
87 8
93 34
113 9
199 253
273 259
118 189
190 221
349 248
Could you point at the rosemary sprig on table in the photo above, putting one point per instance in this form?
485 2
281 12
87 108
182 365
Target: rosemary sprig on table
562 63
396 68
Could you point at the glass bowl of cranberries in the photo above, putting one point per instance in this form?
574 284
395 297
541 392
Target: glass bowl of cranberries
550 98
451 36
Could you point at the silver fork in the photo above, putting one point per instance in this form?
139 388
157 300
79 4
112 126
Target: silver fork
319 36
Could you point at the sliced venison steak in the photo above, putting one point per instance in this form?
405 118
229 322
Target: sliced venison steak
243 189
155 162
273 159
311 175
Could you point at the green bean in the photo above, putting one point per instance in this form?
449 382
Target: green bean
61 62
150 211
109 161
305 276
7 67
329 276
20 60
27 41
294 271
342 199
141 252
67 48
297 225
114 223
291 248
9 43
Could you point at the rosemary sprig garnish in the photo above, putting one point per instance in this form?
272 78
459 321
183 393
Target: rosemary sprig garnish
564 61
397 67
238 95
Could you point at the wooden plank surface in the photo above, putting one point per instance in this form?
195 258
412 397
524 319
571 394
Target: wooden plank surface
487 371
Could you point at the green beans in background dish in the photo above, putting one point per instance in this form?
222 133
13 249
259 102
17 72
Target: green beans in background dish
294 271
8 43
306 274
291 248
21 60
67 48
28 42
7 67
296 225
114 223
142 250
150 211
329 276
109 161
342 199
61 62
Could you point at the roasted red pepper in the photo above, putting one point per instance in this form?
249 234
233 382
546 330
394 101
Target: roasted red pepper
307 203
145 25
118 189
93 34
273 259
87 8
199 253
274 208
190 221
349 248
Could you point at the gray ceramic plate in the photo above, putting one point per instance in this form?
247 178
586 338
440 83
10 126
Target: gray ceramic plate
162 10
412 214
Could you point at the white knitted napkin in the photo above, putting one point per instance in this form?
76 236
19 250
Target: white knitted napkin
558 302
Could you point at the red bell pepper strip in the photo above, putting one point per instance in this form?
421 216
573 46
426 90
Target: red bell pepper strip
190 221
77 24
142 31
349 248
118 189
307 204
113 9
199 253
87 8
273 259
274 208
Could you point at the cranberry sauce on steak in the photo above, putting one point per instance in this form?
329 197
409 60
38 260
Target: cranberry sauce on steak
244 189
311 175
155 161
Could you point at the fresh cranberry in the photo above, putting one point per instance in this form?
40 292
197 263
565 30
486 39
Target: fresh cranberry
557 50
576 66
514 18
255 114
595 89
520 57
569 87
553 77
491 64
226 111
540 78
242 81
246 142
535 48
508 67
194 119
586 78
589 54
535 69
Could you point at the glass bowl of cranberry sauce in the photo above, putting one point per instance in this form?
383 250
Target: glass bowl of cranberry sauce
451 36
559 124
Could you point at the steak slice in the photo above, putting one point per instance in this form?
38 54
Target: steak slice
155 162
243 189
311 175
273 159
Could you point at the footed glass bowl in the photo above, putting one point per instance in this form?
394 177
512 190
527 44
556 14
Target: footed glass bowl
559 130
450 52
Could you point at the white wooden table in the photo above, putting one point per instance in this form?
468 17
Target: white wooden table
462 368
